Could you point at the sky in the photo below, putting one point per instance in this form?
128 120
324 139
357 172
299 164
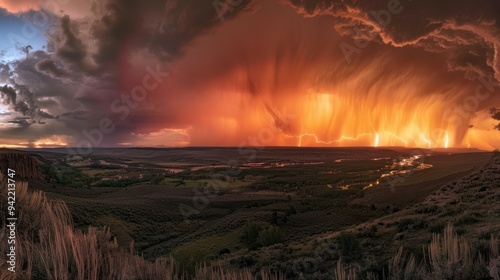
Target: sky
174 73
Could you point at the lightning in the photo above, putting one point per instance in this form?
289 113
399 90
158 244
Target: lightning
446 139
319 141
317 126
396 137
301 131
425 139
376 138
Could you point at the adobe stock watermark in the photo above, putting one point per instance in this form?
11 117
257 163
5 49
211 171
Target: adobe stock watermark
121 106
382 17
248 148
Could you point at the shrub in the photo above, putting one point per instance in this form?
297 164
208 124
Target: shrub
224 251
350 247
270 236
250 233
50 248
448 256
484 235
466 220
404 224
427 210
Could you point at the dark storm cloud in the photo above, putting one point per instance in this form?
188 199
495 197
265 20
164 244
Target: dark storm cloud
89 61
96 44
495 114
45 115
113 29
77 115
25 107
21 121
70 47
49 67
88 55
36 97
70 86
185 20
467 32
9 93
41 85
26 49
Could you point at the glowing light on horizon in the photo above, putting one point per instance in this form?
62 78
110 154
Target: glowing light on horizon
301 131
318 141
425 141
397 137
13 146
447 139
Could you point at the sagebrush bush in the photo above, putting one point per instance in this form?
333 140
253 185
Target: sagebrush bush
270 236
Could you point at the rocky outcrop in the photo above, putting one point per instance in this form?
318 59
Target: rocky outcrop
25 165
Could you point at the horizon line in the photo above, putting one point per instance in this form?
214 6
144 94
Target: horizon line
270 146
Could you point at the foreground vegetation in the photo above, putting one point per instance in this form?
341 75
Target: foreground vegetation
448 256
48 247
287 223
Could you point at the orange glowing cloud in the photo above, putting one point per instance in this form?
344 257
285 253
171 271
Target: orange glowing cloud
270 76
14 6
291 85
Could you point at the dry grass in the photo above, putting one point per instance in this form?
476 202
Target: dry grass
48 247
342 273
403 266
451 256
448 256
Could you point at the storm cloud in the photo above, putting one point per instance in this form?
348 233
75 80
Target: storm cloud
343 69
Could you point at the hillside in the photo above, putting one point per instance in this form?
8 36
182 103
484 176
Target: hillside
469 208
303 227
26 165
